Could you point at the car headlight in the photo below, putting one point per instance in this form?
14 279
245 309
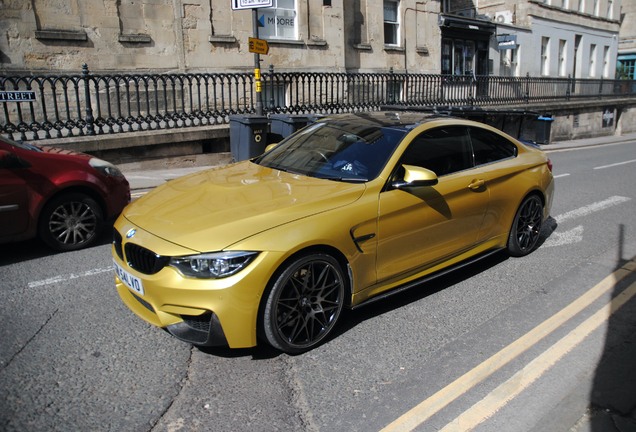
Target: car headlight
105 168
213 265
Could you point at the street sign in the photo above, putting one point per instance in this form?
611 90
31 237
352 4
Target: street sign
258 46
251 4
17 96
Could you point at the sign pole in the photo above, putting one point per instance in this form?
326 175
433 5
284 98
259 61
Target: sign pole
257 67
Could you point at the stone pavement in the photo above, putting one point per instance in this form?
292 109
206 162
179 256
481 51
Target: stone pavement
153 178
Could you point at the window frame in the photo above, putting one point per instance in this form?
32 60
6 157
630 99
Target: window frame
395 25
275 8
545 56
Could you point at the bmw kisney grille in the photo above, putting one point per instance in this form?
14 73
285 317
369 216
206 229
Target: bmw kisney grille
144 260
117 243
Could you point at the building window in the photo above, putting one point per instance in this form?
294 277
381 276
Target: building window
279 21
446 6
509 62
562 60
564 4
592 72
610 9
626 69
582 6
606 62
545 56
391 22
595 10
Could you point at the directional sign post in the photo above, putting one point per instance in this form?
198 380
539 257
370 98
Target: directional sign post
258 46
251 4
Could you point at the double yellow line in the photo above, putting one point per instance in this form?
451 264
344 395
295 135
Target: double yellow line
512 387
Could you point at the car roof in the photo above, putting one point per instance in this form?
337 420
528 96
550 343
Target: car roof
395 119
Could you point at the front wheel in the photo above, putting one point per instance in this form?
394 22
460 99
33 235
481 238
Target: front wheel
526 227
304 303
70 222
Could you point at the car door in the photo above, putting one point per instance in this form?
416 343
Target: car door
496 156
14 204
419 226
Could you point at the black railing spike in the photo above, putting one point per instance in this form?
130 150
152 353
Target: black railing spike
90 120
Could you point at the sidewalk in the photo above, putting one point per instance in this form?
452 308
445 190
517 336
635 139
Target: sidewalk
154 178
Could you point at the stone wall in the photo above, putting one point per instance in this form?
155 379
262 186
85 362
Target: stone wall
123 36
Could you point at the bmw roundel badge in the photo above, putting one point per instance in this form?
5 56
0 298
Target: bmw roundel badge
131 233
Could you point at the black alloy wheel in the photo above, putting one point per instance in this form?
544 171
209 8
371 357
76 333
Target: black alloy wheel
70 222
526 227
304 303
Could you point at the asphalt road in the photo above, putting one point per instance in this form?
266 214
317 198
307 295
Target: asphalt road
505 344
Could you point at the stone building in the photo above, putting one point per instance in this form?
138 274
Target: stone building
627 41
207 35
554 37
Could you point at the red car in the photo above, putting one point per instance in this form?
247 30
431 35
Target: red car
62 196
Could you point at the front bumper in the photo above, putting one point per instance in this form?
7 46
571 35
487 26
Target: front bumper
199 311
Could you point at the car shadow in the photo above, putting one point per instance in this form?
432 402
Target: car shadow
13 253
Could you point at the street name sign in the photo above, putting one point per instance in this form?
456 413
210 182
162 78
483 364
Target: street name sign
17 96
251 4
258 46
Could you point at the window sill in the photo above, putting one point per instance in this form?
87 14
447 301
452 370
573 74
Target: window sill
317 43
422 50
222 39
394 48
61 35
363 47
285 42
134 38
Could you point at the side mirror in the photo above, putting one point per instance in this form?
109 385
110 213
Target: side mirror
415 176
271 146
8 160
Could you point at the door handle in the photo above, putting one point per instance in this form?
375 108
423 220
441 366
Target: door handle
476 184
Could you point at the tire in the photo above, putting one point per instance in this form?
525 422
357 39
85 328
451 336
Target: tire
304 303
526 227
70 222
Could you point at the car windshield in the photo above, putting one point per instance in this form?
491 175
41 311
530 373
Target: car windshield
335 151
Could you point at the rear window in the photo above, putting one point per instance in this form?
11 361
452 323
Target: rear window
489 147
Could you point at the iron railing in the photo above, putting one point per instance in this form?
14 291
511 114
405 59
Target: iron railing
93 104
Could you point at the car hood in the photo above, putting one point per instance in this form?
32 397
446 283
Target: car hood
210 210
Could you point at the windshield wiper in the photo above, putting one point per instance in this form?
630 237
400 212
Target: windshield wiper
346 179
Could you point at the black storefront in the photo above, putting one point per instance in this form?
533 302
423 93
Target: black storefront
465 43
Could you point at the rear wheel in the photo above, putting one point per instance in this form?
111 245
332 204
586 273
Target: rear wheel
304 303
526 227
70 222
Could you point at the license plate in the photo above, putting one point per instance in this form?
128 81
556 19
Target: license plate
132 282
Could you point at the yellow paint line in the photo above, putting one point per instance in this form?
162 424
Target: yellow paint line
442 398
503 394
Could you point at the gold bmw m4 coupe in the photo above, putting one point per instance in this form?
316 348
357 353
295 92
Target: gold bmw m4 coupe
346 211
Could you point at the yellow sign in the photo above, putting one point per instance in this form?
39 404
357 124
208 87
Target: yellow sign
257 74
258 86
258 46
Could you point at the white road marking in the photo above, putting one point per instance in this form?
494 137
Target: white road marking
68 277
561 175
559 239
584 211
616 164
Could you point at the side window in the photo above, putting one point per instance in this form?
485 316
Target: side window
490 147
443 151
